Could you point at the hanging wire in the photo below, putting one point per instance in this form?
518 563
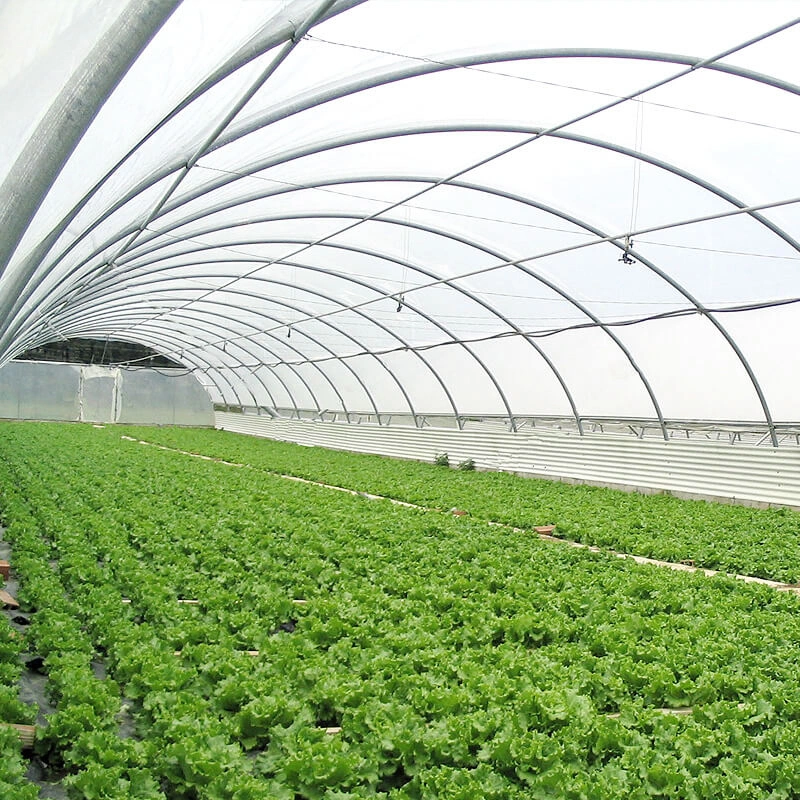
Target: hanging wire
497 73
406 250
626 257
637 163
293 298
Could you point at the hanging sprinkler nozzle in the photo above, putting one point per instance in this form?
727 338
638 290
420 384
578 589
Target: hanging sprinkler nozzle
626 257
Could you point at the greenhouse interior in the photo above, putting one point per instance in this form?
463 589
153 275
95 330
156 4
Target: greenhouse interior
399 399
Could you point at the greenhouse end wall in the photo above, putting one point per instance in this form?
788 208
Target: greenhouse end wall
748 475
88 393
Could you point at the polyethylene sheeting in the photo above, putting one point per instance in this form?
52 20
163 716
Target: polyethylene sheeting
85 393
462 208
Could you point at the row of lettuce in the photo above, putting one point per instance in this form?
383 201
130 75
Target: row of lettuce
759 542
12 710
213 632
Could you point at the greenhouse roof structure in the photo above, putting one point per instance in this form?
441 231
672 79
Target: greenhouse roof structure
404 210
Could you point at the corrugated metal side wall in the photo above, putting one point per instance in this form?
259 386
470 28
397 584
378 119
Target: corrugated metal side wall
750 475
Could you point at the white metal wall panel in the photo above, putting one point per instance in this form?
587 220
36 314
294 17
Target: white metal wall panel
750 475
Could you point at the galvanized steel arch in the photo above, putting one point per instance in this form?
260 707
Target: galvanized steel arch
486 127
95 296
333 299
197 365
337 90
384 257
663 57
181 352
282 323
464 127
471 243
79 328
254 355
455 340
394 334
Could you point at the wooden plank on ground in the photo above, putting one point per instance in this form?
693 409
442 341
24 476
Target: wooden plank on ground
27 733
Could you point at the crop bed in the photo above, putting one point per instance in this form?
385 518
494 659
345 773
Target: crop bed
764 543
221 633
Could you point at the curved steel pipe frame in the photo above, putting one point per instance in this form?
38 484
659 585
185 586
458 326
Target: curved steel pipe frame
375 254
553 287
388 76
673 169
182 347
503 258
384 295
252 353
571 137
338 90
279 323
198 366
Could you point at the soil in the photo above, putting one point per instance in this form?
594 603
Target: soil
31 689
